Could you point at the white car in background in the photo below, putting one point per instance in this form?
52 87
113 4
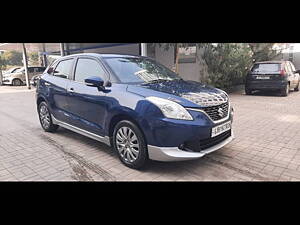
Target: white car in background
18 78
11 70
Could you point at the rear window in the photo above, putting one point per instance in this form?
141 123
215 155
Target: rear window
266 67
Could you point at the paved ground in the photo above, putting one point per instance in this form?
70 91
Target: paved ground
267 146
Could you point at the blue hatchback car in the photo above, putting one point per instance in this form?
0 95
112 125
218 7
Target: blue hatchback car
136 105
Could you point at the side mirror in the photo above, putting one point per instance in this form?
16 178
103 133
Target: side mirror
50 70
95 82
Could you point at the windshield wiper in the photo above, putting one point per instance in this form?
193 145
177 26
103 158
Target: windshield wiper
155 81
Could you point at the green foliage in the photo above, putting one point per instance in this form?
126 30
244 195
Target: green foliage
33 58
263 51
13 58
227 63
2 63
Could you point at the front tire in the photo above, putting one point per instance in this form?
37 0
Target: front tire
297 88
130 144
45 118
248 91
17 82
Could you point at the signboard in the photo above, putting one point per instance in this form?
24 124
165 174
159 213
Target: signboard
187 54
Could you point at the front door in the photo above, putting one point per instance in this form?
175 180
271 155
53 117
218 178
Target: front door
290 76
86 104
296 75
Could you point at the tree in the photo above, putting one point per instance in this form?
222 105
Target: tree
227 63
2 67
13 58
264 51
2 63
33 58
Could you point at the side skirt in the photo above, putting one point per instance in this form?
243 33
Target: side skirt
96 137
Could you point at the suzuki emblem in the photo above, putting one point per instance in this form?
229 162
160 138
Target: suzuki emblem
220 112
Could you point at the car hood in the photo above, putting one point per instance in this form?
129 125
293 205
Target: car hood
186 93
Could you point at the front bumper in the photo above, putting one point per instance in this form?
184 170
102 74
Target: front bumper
175 154
7 81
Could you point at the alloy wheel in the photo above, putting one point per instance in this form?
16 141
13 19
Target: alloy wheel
45 116
17 82
127 144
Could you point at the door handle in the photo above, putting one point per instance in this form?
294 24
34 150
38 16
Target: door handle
47 84
71 90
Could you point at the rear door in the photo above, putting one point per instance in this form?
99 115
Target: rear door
87 104
35 72
56 82
31 72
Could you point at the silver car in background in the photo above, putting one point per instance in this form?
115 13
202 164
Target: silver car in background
18 78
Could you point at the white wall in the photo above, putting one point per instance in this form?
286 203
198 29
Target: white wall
188 71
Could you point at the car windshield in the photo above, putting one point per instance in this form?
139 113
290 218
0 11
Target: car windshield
19 70
11 70
139 70
266 67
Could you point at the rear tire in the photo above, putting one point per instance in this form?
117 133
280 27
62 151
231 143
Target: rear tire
130 144
248 91
45 118
17 82
297 88
285 91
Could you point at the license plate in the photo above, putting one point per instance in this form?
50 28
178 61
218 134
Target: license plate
220 129
262 77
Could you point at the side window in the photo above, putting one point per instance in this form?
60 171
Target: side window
63 69
30 70
287 67
42 69
293 67
51 68
86 68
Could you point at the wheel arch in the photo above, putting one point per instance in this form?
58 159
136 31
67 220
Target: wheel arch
40 99
16 78
119 117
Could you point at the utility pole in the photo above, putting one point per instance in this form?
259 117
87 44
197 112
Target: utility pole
144 49
62 50
25 65
44 55
177 57
1 77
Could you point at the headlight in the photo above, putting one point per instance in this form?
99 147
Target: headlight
170 109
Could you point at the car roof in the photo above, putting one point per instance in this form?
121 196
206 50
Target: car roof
103 55
275 61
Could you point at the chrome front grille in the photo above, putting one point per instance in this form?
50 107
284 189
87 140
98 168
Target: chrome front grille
217 112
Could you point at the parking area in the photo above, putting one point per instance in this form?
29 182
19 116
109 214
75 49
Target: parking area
266 147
